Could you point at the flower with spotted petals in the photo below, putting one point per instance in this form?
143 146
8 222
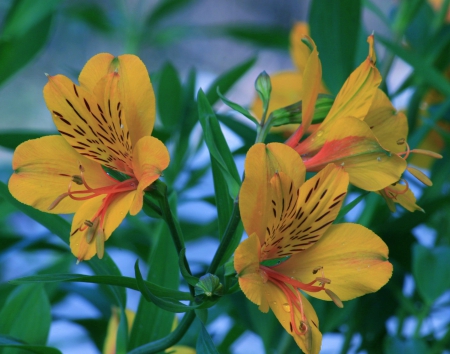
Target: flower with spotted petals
105 124
290 221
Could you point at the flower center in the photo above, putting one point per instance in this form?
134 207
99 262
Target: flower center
95 225
291 287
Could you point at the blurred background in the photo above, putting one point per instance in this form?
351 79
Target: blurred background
192 44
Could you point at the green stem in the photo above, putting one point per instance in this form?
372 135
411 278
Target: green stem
422 315
175 229
284 345
348 338
440 345
171 339
227 238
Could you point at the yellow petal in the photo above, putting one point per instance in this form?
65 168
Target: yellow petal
286 90
299 51
389 126
311 341
260 165
115 213
180 349
312 78
86 122
150 158
422 177
350 255
400 194
351 144
138 97
109 347
356 96
246 264
301 216
43 169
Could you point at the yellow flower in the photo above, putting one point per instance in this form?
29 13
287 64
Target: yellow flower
106 121
344 137
287 85
109 346
287 217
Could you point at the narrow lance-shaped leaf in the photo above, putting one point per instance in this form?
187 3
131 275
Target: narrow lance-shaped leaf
163 270
228 79
122 281
167 304
217 145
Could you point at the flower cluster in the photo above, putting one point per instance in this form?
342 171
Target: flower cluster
104 160
362 140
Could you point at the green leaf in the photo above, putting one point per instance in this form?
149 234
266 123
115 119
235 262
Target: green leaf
24 15
25 31
61 228
405 346
163 9
26 315
337 40
347 208
205 344
423 71
165 303
264 36
431 271
227 80
247 133
190 279
163 270
10 342
237 107
91 14
217 145
170 97
12 139
121 281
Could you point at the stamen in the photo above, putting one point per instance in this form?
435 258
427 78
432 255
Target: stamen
77 179
392 193
100 242
88 223
315 270
92 230
334 297
322 281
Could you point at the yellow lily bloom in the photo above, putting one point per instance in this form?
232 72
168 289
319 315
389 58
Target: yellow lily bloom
105 121
287 217
287 85
344 137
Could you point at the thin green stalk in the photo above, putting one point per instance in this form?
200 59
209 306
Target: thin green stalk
422 315
284 345
440 345
171 339
348 338
227 238
175 230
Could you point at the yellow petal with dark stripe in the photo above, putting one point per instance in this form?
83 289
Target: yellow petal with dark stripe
350 255
300 216
261 163
43 170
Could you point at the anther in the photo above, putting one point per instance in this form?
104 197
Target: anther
88 223
315 270
323 280
77 179
334 297
92 230
81 168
